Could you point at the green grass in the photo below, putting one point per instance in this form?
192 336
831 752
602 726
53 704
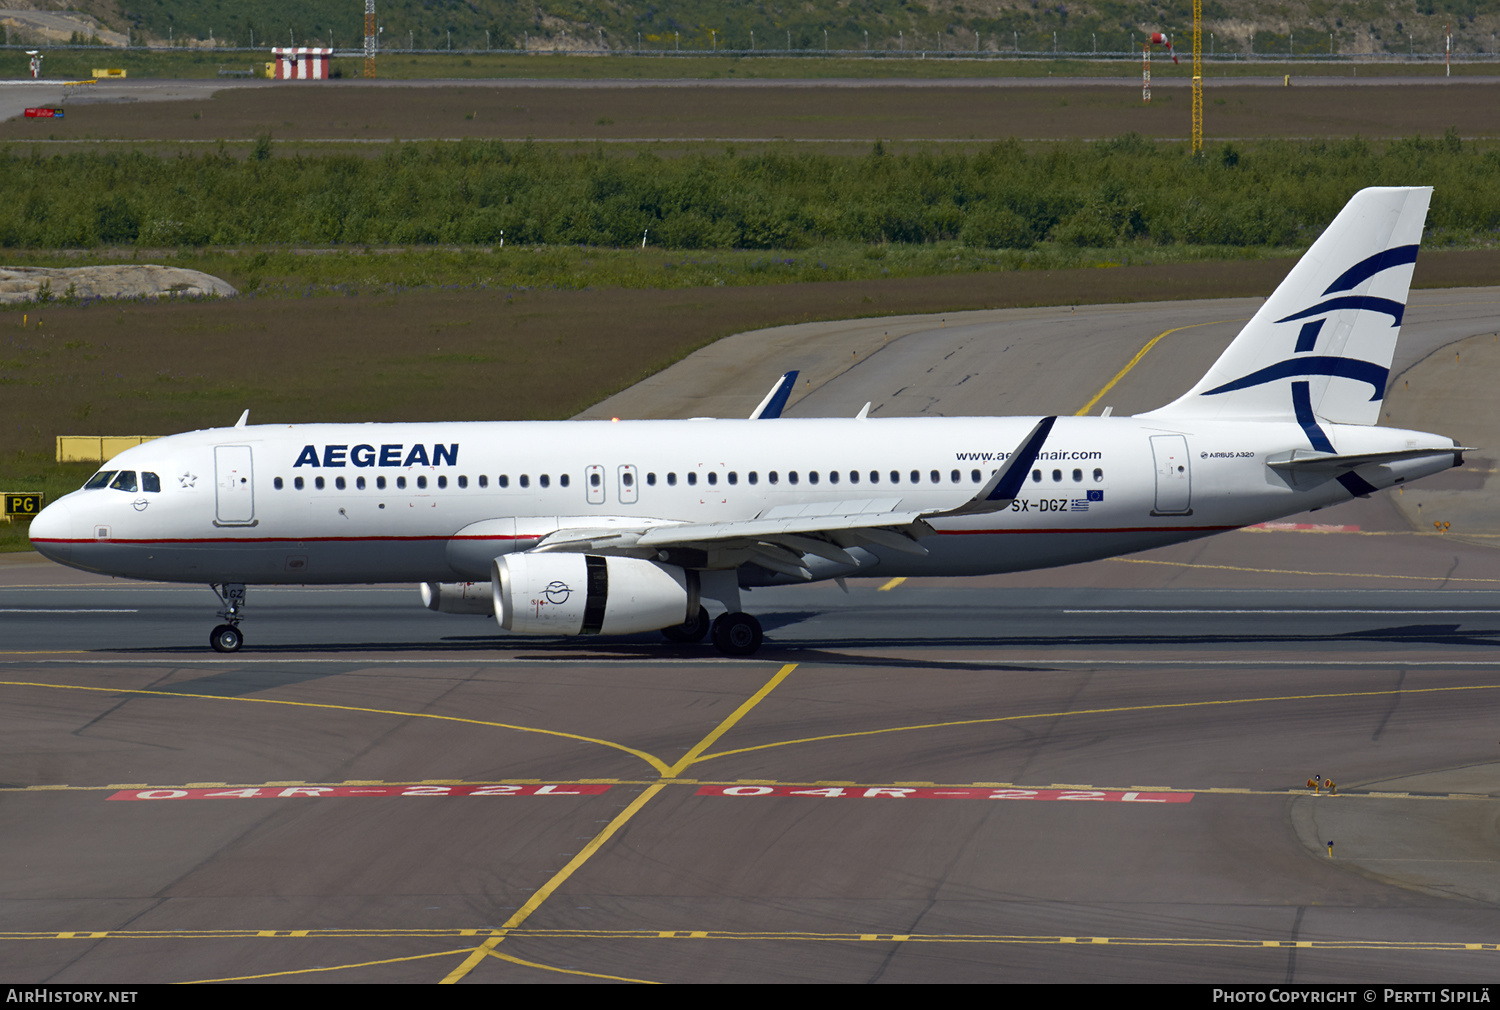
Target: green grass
77 64
283 273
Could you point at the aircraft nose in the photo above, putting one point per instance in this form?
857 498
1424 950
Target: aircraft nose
52 531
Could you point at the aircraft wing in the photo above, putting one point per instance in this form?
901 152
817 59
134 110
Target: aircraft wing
778 539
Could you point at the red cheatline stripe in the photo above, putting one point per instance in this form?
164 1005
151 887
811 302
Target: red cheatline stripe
325 792
947 793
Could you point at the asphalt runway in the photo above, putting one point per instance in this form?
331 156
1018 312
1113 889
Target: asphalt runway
1094 773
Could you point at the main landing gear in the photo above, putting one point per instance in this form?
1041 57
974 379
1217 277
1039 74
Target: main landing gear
733 634
226 637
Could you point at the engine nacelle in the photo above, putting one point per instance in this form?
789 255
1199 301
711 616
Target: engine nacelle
583 594
459 598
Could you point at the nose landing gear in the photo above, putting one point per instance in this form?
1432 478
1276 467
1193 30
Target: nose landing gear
227 637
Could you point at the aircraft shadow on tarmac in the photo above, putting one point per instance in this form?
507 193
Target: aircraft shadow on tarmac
838 650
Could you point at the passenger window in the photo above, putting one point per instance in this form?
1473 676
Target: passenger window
1078 476
627 478
954 477
421 482
772 477
150 482
525 480
359 482
650 480
812 476
442 482
692 479
338 482
854 476
563 480
791 477
895 476
1056 476
484 480
974 476
98 480
544 480
916 477
318 483
833 476
595 479
125 481
1036 476
1098 475
934 476
297 483
503 480
380 483
277 483
400 483
671 480
713 478
463 481
734 478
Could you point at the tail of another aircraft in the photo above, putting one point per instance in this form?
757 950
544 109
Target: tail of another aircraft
1320 348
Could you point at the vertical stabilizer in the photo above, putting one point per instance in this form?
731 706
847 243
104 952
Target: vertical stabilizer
1321 345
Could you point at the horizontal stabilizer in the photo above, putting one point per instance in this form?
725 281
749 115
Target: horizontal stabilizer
1311 461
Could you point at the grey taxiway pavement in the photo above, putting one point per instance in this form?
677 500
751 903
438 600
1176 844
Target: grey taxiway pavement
1095 773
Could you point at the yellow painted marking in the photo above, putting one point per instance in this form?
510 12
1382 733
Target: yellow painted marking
478 954
1137 360
569 971
892 584
777 937
1094 711
613 826
334 967
1293 571
651 760
692 756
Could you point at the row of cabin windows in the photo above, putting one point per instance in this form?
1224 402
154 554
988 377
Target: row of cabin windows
1057 476
441 482
124 480
628 479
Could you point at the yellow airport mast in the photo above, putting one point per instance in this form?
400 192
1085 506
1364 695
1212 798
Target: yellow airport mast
1197 76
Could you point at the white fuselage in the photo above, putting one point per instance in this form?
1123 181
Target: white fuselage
340 503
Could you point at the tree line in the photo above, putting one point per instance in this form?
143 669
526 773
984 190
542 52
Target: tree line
475 192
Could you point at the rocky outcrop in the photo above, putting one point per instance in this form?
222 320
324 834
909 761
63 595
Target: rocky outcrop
33 284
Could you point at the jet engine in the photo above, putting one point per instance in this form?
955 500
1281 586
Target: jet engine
459 598
583 594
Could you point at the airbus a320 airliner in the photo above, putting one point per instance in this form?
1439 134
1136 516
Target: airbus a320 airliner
612 528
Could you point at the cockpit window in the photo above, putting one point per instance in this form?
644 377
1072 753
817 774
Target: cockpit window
100 479
125 481
150 481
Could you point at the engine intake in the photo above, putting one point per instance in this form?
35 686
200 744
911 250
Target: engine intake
584 594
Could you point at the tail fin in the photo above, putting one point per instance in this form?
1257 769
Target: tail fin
1321 345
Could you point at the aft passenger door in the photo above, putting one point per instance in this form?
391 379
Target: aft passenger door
1174 477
